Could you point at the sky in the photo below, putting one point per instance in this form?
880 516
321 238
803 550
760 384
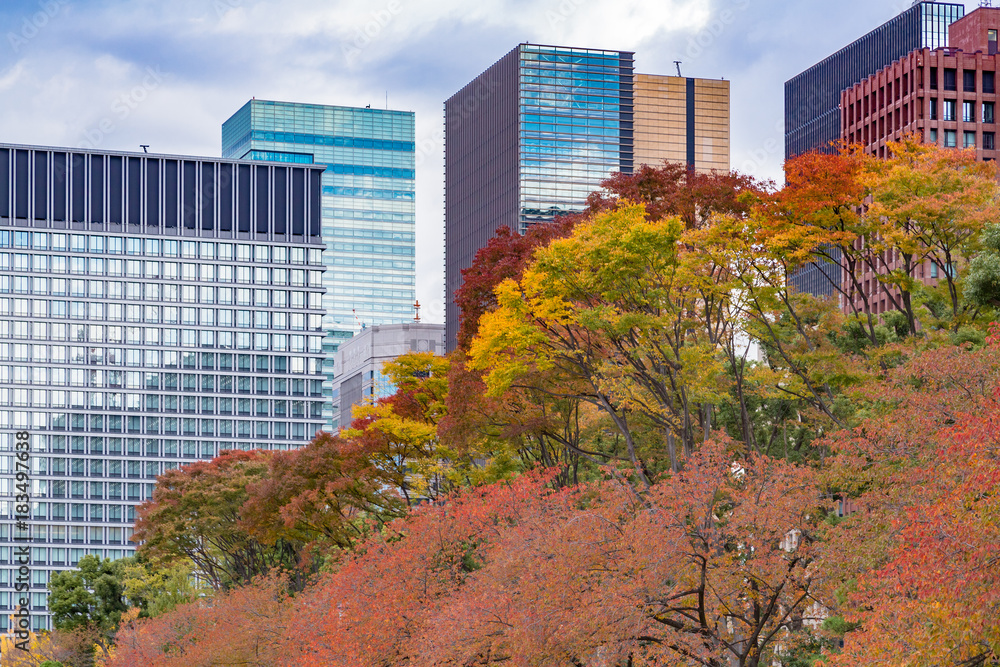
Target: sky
114 74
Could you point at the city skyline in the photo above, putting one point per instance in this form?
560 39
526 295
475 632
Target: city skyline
115 75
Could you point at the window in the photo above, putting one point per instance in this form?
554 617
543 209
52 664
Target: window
968 112
949 79
949 110
969 81
989 141
988 112
989 82
932 109
969 140
950 138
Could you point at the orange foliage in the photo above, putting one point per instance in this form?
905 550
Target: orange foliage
710 564
241 627
927 475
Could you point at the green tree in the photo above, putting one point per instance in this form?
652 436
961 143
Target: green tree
89 600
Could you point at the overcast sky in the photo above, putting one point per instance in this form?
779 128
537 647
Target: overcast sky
115 74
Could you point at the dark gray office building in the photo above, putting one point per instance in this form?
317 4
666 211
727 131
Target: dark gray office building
812 98
154 310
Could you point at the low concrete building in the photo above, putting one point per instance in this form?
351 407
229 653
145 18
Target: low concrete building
357 364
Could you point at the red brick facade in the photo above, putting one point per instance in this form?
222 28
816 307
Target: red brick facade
973 32
947 96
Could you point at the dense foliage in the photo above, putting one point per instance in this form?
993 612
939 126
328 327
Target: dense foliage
647 450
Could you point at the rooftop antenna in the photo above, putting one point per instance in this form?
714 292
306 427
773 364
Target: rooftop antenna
144 147
416 307
678 64
985 3
387 100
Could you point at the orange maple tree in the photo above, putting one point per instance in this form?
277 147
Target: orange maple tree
924 473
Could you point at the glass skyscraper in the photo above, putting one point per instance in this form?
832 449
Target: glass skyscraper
532 136
154 310
368 204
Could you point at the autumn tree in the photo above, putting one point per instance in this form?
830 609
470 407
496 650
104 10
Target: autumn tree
631 319
674 190
318 495
503 257
242 626
931 203
195 515
711 570
922 472
401 431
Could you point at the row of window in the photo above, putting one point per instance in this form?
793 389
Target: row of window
156 359
949 80
949 111
92 490
151 247
168 292
61 534
950 139
40 376
134 268
113 312
116 312
223 428
106 446
222 340
44 511
194 405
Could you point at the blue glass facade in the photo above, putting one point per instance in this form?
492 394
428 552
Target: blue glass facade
575 116
368 203
527 140
369 193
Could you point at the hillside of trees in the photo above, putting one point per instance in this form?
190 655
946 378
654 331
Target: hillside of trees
647 450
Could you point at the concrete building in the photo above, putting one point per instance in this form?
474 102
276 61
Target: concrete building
812 97
682 120
154 310
946 96
368 204
531 137
358 377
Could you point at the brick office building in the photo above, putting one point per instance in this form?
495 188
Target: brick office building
946 96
